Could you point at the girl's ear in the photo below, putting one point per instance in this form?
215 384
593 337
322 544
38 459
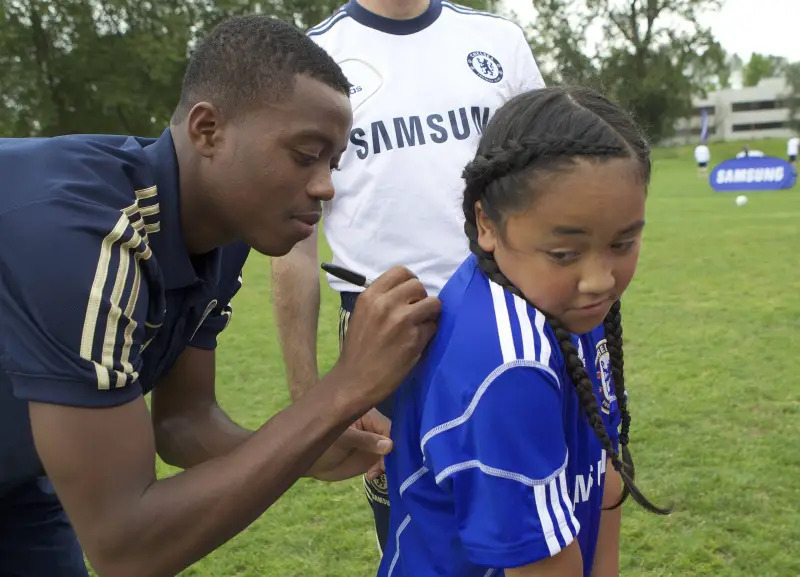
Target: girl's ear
487 229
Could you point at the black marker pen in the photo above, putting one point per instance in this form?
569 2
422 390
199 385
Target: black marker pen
346 275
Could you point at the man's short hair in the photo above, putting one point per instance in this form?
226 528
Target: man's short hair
247 61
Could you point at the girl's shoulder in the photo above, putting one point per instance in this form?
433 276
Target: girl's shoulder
484 330
484 327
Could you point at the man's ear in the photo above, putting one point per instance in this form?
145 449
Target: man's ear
205 128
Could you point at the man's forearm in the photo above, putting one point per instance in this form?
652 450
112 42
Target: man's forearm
186 440
296 297
201 508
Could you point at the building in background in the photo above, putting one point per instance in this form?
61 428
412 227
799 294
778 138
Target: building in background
738 114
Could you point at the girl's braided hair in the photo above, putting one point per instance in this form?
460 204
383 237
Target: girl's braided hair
545 131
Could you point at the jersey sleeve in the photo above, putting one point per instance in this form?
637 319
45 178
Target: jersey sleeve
504 462
527 75
216 322
74 297
233 259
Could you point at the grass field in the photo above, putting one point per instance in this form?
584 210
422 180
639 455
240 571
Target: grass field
712 325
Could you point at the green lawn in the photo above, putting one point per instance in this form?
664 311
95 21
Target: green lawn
711 323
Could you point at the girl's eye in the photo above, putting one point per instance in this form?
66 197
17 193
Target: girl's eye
563 256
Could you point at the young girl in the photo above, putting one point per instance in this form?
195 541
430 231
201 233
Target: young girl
507 459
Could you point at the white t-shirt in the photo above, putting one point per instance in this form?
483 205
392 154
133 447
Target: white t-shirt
701 153
423 89
792 146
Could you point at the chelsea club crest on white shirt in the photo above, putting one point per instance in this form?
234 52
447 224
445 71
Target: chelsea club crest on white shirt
422 92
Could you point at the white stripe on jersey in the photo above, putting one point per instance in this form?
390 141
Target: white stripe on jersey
558 509
540 494
562 480
469 11
559 503
503 322
412 479
328 23
503 474
528 344
544 353
400 530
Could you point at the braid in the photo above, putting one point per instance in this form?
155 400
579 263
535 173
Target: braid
583 385
613 330
517 155
577 373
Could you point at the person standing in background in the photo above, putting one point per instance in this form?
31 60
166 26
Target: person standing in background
426 76
702 156
792 146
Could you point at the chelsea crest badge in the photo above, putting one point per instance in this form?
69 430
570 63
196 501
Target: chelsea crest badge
602 362
485 66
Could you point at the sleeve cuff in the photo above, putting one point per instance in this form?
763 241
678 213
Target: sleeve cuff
69 392
206 340
531 551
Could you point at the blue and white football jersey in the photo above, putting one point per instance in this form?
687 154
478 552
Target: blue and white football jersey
495 464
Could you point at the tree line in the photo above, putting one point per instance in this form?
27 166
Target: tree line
115 66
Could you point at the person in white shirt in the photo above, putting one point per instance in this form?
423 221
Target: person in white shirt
702 156
792 146
426 77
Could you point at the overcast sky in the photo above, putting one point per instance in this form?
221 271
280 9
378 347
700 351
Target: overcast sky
742 26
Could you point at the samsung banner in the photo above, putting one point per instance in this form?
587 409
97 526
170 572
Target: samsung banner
752 173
